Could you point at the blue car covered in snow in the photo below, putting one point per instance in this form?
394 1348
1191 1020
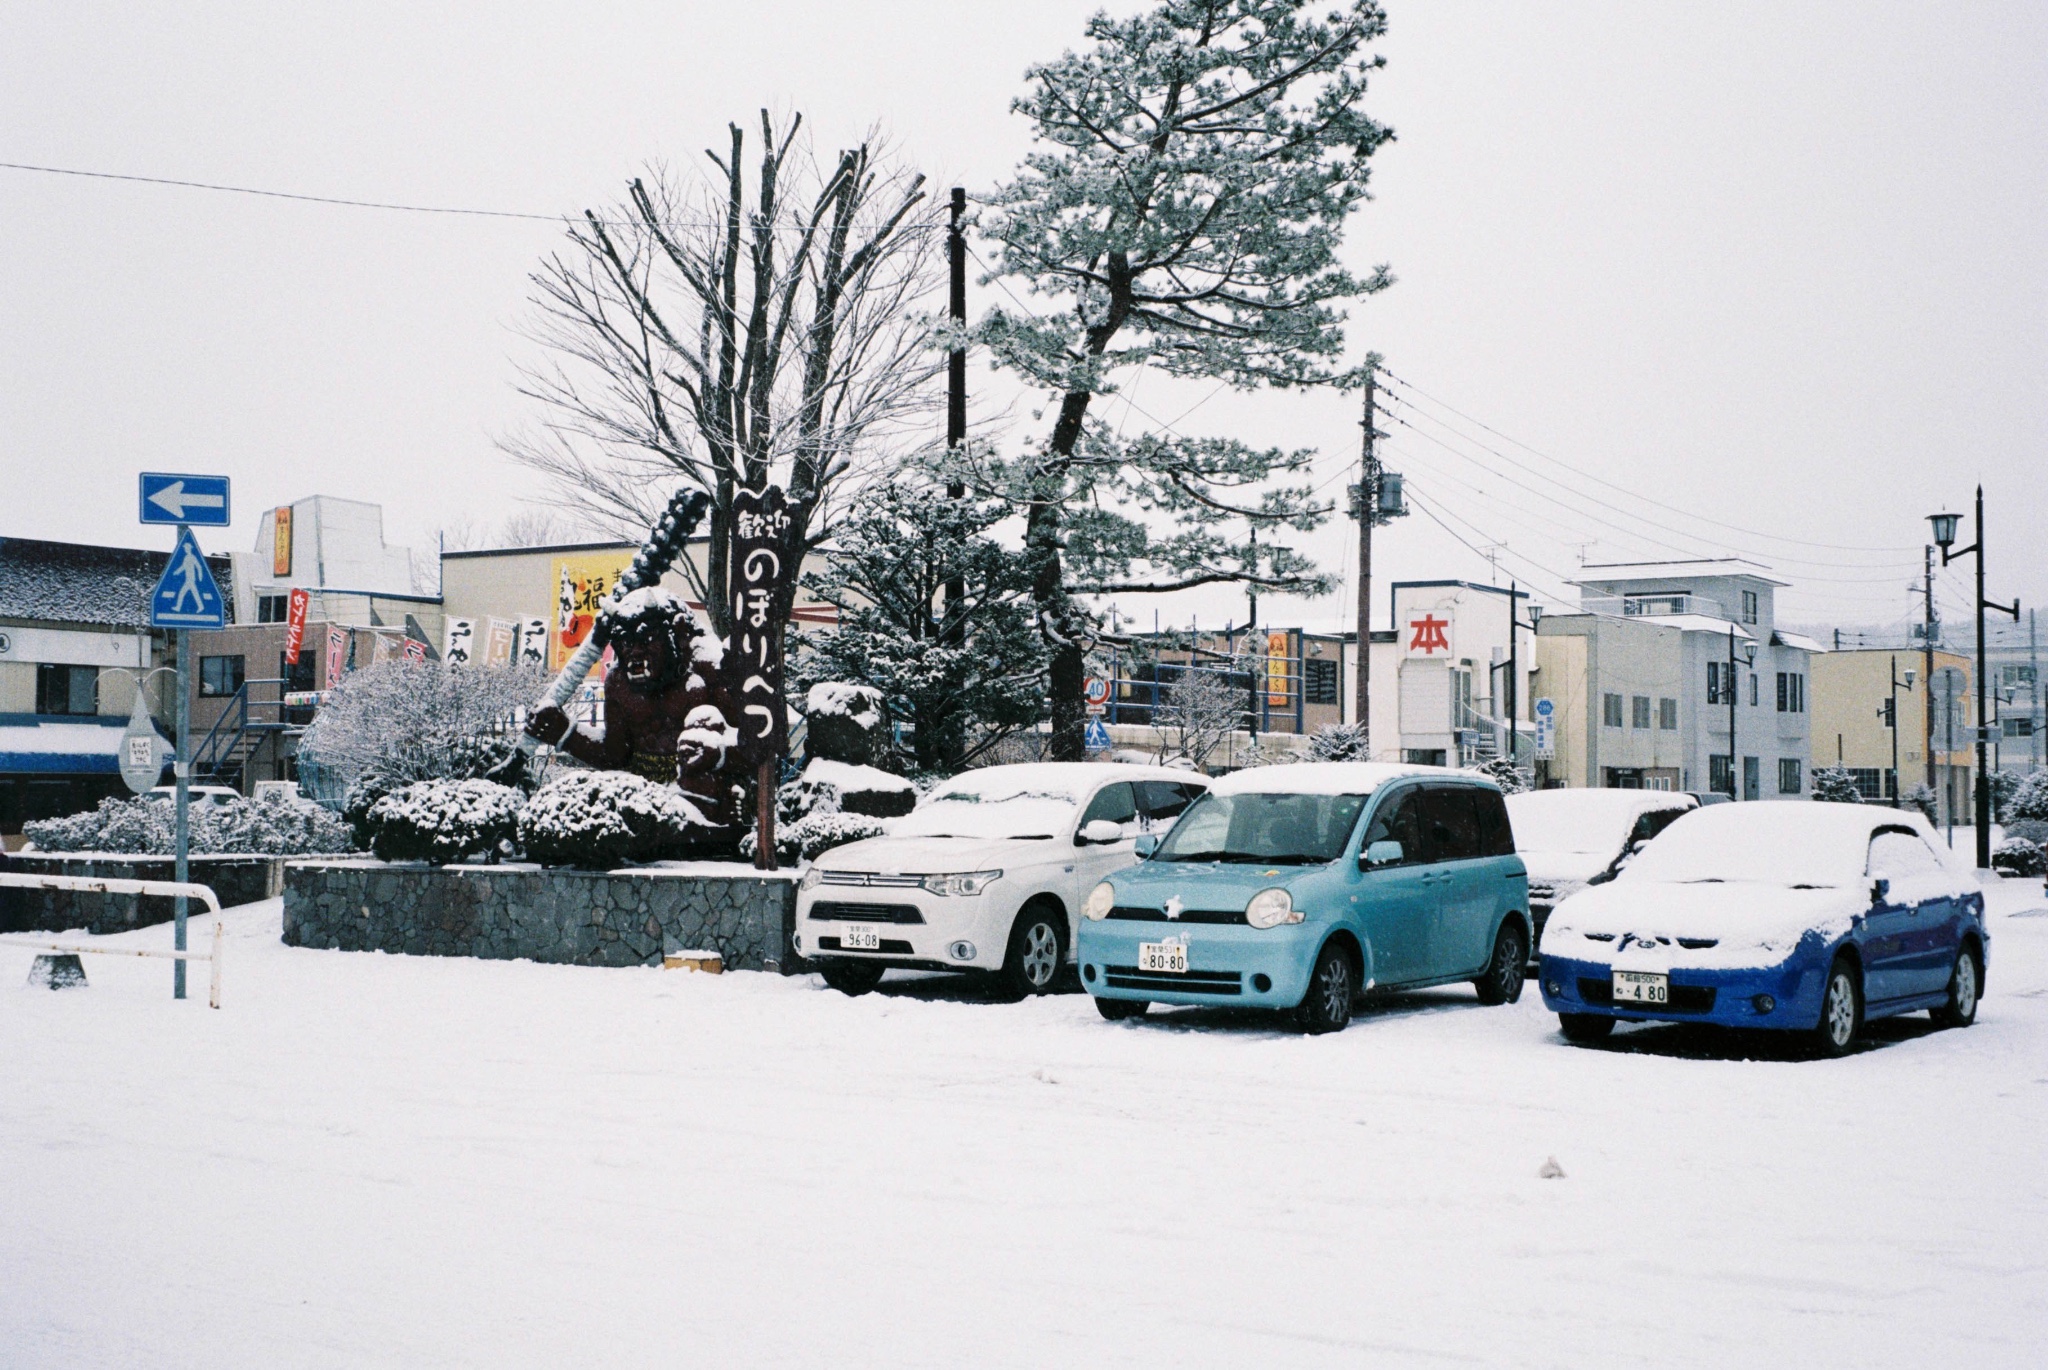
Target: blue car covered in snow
1295 887
1811 918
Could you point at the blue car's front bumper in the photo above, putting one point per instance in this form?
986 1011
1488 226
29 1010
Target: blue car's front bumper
1730 998
1227 963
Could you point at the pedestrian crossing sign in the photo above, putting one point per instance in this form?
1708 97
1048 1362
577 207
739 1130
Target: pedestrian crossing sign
1097 739
187 595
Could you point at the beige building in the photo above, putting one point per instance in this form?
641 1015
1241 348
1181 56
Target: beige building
1936 729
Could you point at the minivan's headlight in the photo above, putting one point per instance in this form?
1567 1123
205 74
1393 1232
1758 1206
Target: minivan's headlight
969 882
1271 908
811 878
1101 900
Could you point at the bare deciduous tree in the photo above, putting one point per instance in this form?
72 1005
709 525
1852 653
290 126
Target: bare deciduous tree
736 330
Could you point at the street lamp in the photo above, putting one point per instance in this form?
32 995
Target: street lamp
1514 686
1890 714
1748 659
1944 538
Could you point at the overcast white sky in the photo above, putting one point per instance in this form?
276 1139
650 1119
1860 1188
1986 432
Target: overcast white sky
1783 267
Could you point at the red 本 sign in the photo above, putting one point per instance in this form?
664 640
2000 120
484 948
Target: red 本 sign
295 626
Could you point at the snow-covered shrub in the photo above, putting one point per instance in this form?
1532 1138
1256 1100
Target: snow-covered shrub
863 789
804 839
1511 778
418 720
1923 798
843 722
362 796
1338 742
2018 856
603 818
2030 800
2004 786
273 826
1834 785
444 821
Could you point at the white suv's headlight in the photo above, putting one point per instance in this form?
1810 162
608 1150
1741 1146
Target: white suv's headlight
1271 908
969 882
1101 900
811 878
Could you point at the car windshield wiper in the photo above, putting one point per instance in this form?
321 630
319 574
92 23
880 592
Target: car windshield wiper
1705 880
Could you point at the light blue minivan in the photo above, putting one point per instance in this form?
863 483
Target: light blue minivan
1295 887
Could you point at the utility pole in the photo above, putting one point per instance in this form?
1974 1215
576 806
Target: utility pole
1368 514
956 391
1734 786
1944 538
2033 699
1927 672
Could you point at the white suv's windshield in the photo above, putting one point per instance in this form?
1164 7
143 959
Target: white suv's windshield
1264 829
1005 813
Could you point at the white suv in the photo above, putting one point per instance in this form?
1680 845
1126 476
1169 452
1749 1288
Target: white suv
988 873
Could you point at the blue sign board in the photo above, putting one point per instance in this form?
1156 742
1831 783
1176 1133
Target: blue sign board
187 595
1544 708
198 500
1097 739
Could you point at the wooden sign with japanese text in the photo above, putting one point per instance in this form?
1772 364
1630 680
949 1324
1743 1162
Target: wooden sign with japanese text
760 524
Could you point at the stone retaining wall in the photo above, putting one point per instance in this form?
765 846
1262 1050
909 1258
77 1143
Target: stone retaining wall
233 879
588 918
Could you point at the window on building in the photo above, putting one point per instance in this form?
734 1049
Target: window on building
1788 776
1720 775
1667 715
1610 710
1635 605
1791 692
2017 727
1319 681
1870 782
1752 689
273 608
220 676
1717 682
1752 777
67 689
2016 675
1749 606
1639 711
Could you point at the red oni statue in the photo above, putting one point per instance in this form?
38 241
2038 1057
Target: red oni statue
665 717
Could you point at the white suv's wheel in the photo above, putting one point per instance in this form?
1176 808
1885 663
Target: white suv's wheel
1036 950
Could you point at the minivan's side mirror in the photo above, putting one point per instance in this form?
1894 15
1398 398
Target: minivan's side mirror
1146 844
1382 853
1101 832
1880 889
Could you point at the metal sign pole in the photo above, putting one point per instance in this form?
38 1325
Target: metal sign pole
182 771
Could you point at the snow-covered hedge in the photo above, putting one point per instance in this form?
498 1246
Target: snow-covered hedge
605 818
444 821
276 825
2018 856
2030 798
1834 785
804 839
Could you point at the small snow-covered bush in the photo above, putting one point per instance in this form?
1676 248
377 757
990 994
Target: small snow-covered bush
1511 778
2004 789
1834 785
603 818
2018 856
443 821
804 839
1338 742
844 722
362 796
2030 800
2032 829
273 826
1923 798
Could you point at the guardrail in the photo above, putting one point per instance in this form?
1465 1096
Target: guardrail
89 884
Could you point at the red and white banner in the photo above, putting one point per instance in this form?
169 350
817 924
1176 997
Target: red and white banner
415 650
337 654
295 627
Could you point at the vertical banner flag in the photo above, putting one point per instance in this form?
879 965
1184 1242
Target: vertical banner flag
295 626
458 641
581 583
532 648
281 540
497 642
1279 668
759 522
337 655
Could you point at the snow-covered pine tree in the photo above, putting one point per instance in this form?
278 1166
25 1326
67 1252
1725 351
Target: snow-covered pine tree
1834 785
957 674
2030 800
1194 171
1338 742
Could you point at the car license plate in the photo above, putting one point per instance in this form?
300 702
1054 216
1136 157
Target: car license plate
1641 987
860 937
1169 957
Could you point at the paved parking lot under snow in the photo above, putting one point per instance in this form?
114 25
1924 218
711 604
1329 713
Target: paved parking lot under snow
377 1160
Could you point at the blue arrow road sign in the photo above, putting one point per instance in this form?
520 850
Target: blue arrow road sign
187 596
198 500
1097 739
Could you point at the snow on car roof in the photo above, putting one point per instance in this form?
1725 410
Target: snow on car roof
1600 803
1326 777
1783 841
1070 778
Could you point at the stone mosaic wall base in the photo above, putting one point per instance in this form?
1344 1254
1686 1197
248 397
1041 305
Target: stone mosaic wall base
586 918
233 879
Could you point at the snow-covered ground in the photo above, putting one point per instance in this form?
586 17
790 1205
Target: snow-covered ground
375 1160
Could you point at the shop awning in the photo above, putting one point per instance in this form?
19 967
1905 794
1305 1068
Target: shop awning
70 748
